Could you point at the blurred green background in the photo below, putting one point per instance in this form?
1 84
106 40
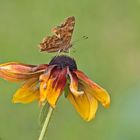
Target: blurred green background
111 57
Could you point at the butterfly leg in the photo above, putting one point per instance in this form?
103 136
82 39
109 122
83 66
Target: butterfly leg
69 51
58 52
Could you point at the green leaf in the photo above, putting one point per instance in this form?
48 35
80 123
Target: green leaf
43 113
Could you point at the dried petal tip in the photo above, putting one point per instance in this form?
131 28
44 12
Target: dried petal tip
63 62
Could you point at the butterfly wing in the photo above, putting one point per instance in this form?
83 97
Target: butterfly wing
50 44
61 40
65 30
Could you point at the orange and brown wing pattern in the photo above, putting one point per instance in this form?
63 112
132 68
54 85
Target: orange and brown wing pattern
61 40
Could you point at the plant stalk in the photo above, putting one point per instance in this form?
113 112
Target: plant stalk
46 123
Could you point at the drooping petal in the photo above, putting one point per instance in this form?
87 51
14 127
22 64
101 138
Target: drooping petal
28 92
44 82
98 92
74 84
52 85
85 104
16 72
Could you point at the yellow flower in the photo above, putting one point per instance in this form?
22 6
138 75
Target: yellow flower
46 82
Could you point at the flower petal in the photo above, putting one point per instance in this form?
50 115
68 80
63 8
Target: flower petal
43 83
74 84
51 85
16 72
85 104
28 92
98 92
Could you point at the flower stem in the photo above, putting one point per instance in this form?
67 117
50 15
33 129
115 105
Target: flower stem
45 125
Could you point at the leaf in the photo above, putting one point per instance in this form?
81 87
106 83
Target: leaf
43 113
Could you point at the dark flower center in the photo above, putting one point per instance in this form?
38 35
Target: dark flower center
64 61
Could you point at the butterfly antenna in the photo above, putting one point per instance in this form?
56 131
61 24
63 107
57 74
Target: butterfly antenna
82 38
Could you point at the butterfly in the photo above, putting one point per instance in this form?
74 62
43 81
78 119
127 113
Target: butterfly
61 40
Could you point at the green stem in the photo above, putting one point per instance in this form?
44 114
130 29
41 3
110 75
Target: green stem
45 125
